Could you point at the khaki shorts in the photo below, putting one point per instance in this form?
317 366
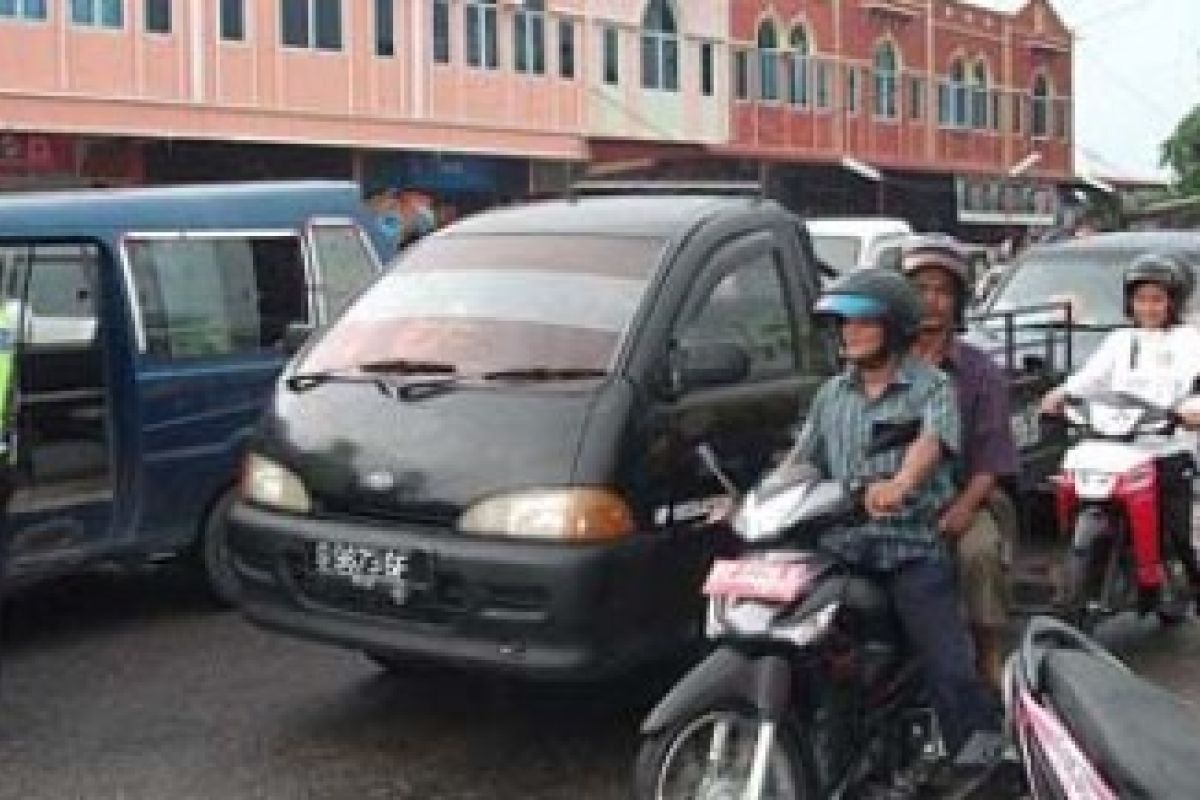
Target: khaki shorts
982 555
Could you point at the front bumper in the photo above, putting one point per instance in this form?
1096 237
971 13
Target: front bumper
542 610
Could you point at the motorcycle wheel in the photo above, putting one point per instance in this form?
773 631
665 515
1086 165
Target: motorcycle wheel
1083 577
708 757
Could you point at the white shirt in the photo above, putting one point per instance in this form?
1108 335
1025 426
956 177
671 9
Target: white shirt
1160 366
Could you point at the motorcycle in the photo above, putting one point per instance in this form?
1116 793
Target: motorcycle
810 691
1108 501
1086 728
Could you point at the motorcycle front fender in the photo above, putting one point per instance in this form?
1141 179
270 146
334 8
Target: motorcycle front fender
1091 526
763 683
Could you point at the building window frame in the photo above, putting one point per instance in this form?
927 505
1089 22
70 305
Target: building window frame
610 55
741 75
1040 122
767 50
660 47
25 11
439 23
529 38
916 98
566 48
157 17
800 75
708 69
853 89
315 17
980 85
99 14
385 28
231 21
887 68
481 34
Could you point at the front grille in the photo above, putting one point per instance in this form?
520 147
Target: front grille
358 509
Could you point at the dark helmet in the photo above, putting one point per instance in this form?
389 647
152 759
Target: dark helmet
1168 270
879 294
936 251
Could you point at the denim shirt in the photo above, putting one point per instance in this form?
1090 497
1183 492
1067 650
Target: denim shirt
836 437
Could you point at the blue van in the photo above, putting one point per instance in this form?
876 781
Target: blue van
151 327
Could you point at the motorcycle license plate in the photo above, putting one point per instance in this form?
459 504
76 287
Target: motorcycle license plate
758 580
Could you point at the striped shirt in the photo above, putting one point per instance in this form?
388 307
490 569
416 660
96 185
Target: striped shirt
836 438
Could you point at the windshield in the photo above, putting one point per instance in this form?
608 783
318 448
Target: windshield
839 252
1089 280
500 302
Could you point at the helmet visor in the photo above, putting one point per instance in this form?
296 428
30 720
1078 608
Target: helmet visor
850 306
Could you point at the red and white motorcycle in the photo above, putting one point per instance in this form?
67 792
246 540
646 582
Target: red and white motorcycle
1109 501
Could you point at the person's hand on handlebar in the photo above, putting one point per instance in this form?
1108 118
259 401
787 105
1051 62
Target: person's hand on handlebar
1189 413
884 498
1053 403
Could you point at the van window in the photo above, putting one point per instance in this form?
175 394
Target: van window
217 296
839 252
498 302
749 308
61 304
345 264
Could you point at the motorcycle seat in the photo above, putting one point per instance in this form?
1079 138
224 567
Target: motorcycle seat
1144 740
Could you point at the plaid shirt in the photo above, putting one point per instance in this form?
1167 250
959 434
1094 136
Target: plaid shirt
836 437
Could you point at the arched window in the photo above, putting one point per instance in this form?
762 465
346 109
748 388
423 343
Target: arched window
952 97
1041 106
529 37
799 84
979 95
887 71
768 61
660 47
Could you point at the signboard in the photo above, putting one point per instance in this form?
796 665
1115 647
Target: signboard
1004 201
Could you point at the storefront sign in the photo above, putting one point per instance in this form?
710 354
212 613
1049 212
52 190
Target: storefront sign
996 201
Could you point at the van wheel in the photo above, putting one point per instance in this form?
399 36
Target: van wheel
213 552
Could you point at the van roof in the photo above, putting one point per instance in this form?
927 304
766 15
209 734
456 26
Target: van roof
856 226
615 215
107 213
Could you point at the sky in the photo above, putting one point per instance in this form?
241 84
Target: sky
1137 74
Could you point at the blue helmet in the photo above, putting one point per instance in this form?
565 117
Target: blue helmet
878 294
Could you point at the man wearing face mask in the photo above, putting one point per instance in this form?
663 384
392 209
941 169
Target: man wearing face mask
937 268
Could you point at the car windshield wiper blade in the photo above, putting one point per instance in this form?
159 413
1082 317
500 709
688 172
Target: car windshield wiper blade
543 373
409 366
306 381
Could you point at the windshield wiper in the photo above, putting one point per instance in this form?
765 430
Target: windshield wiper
408 366
305 381
542 373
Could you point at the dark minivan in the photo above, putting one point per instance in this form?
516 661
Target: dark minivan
490 458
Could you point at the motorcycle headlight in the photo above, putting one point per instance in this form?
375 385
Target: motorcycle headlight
568 515
271 484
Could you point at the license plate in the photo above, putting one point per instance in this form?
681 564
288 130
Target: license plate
388 568
758 580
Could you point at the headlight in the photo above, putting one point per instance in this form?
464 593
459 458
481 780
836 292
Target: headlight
271 484
569 515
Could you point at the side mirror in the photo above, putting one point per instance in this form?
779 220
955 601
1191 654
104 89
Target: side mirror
295 335
698 366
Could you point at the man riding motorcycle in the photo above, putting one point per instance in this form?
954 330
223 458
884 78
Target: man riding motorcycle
971 523
883 387
1158 360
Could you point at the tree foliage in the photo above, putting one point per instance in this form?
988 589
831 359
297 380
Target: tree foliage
1182 153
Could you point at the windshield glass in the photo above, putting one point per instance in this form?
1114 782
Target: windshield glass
839 252
1089 281
500 302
